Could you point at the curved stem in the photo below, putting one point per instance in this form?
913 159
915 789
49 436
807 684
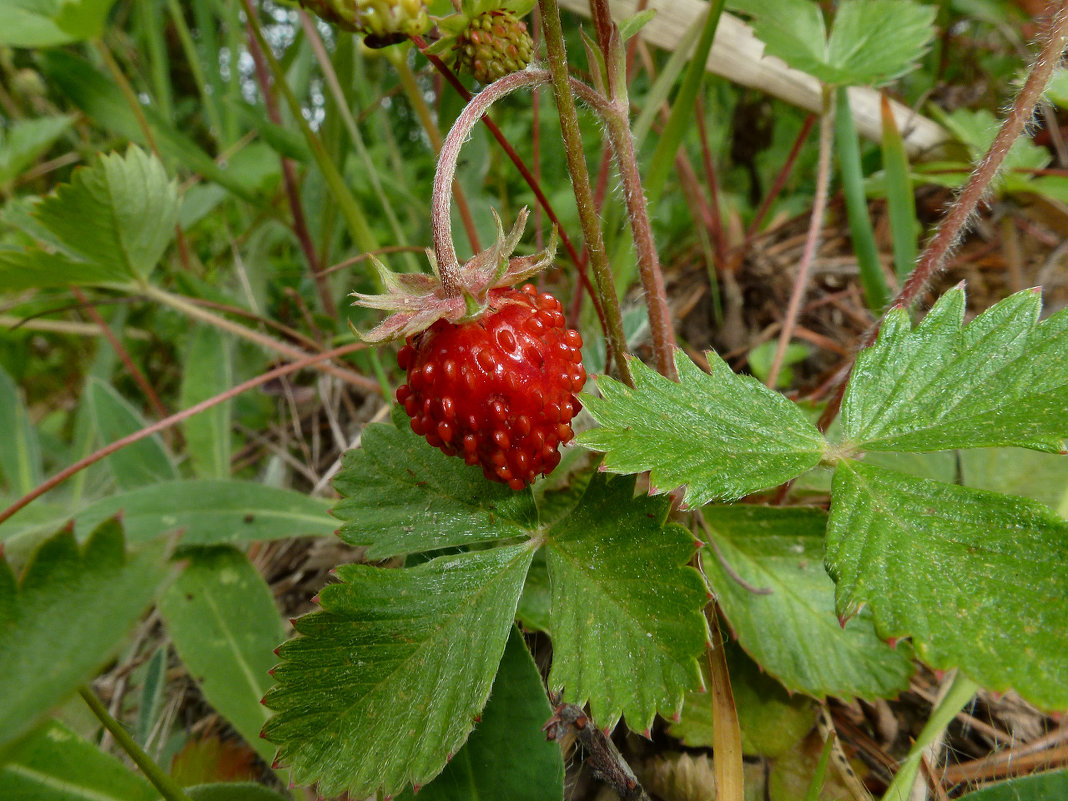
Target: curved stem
441 200
619 135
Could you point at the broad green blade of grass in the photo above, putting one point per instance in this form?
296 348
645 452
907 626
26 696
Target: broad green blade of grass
876 293
222 620
681 108
900 201
20 452
55 764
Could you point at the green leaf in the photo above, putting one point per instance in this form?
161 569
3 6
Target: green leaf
626 619
1013 471
46 23
207 512
55 764
384 684
1037 787
209 371
974 578
65 616
762 356
875 41
221 616
120 210
401 496
793 632
536 602
507 755
20 453
792 30
1000 380
722 435
32 268
772 721
872 42
142 463
25 140
633 24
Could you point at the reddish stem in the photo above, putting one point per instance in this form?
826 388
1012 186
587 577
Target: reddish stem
955 223
174 419
123 354
289 176
819 206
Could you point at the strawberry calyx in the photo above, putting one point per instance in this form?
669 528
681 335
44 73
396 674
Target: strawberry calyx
457 295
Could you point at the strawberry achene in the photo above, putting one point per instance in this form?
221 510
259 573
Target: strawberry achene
498 391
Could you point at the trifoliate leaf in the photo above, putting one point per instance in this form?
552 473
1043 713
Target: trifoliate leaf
626 619
117 216
385 683
507 756
401 496
722 435
1000 380
223 622
875 41
976 579
64 618
872 41
793 632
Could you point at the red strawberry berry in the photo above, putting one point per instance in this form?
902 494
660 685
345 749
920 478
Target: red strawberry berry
498 391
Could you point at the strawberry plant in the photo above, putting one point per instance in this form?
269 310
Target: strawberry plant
496 572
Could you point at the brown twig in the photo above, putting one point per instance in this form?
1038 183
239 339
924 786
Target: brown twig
603 757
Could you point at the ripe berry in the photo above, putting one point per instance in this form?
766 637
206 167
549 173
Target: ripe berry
498 391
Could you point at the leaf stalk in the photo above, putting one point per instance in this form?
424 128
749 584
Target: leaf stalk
168 787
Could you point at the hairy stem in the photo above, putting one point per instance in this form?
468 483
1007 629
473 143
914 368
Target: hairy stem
953 226
808 255
422 111
187 307
444 176
580 181
955 223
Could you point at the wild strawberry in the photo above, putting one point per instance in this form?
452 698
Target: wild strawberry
382 21
492 371
498 391
492 45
